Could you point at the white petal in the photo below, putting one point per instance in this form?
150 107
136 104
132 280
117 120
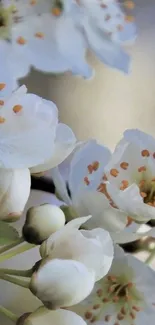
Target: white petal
130 236
63 234
103 215
101 251
140 138
60 185
14 192
65 143
6 76
106 50
62 283
58 317
92 248
53 51
131 202
27 137
86 155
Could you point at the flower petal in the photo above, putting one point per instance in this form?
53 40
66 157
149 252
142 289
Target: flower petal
93 248
62 283
107 51
103 214
55 239
89 154
14 192
60 185
6 77
57 317
140 138
131 202
47 47
65 143
27 136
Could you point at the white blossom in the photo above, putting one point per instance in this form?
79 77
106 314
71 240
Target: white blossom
53 36
86 181
125 296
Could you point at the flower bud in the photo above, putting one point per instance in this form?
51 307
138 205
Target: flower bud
61 283
43 316
41 222
14 193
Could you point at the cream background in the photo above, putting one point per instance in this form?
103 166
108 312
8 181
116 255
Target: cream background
102 108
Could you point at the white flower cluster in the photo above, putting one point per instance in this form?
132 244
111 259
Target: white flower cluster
54 35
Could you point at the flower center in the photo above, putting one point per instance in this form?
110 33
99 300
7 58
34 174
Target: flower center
147 191
116 300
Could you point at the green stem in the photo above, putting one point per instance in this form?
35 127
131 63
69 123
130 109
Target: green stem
19 282
23 273
8 314
16 251
150 257
15 243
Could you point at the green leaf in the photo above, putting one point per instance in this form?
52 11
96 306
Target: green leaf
8 234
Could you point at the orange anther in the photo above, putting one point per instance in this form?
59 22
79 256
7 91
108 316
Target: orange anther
129 19
86 181
99 292
17 108
107 318
97 306
88 314
145 153
136 308
124 165
129 4
90 169
56 11
33 2
2 120
39 35
2 85
95 165
143 194
120 316
142 169
114 172
21 40
132 315
105 300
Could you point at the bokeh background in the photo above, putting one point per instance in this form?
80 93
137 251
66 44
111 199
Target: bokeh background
102 108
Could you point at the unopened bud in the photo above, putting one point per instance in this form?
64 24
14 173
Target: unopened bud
41 222
61 283
42 316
